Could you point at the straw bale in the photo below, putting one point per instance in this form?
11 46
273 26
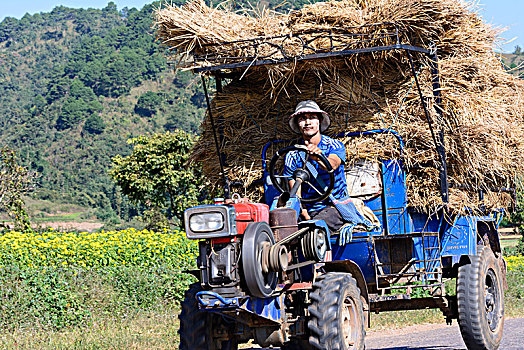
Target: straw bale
483 106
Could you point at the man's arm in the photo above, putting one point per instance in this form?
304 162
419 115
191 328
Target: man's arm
333 159
304 212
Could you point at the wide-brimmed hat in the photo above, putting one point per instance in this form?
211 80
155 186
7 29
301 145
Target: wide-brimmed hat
309 106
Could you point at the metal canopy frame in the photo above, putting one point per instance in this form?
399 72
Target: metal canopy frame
344 42
271 50
335 54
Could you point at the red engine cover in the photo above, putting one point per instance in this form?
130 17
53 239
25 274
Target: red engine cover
246 213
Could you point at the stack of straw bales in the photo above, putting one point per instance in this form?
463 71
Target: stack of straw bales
483 105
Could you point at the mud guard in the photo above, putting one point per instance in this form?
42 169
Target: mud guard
352 268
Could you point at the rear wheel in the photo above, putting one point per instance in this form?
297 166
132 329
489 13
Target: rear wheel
336 314
480 298
198 328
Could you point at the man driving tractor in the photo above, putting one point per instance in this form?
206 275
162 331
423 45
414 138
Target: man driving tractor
310 121
338 209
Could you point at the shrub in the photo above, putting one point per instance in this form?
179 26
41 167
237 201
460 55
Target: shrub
55 279
62 297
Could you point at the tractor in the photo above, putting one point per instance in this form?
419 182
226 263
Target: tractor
266 276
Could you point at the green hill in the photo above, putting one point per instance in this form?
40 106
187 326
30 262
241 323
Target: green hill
75 86
514 63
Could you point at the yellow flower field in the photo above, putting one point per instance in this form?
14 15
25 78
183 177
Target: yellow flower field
106 248
111 248
515 263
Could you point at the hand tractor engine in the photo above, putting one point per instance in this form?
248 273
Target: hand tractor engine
241 254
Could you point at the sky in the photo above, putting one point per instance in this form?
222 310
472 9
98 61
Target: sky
502 13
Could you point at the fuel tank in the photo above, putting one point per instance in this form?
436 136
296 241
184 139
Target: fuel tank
283 222
246 213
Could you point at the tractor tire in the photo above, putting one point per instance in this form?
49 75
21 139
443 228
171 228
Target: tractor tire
196 326
480 299
336 313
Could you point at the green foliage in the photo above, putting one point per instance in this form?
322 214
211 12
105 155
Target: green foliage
73 111
55 280
58 298
514 295
127 247
94 124
39 297
148 104
519 249
157 176
15 181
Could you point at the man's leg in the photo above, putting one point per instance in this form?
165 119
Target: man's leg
331 216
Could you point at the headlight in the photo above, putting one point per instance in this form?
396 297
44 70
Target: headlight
210 221
206 222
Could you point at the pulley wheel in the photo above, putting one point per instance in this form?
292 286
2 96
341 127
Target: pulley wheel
314 245
260 281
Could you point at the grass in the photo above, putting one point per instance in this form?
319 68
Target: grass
154 328
510 241
143 330
35 206
42 211
112 308
58 217
401 319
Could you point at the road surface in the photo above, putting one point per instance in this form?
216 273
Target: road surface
441 337
438 337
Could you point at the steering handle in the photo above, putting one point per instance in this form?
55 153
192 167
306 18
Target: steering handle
324 194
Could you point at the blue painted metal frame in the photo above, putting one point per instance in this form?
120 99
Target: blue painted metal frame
293 203
271 309
456 238
460 237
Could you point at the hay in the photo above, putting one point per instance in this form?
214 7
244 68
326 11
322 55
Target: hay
483 105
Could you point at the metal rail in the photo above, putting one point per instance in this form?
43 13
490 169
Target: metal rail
334 54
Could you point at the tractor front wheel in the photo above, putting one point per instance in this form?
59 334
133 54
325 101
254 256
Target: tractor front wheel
336 313
480 299
198 328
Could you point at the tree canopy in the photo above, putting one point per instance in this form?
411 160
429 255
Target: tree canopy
157 174
15 180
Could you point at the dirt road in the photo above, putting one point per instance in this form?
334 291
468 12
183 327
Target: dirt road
441 337
438 337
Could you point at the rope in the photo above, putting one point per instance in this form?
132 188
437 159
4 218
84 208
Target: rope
404 100
247 113
349 102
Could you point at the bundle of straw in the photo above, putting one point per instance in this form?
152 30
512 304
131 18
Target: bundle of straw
483 106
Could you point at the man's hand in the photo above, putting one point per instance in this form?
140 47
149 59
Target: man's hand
305 214
314 151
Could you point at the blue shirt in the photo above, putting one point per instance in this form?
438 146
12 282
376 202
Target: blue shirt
328 146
